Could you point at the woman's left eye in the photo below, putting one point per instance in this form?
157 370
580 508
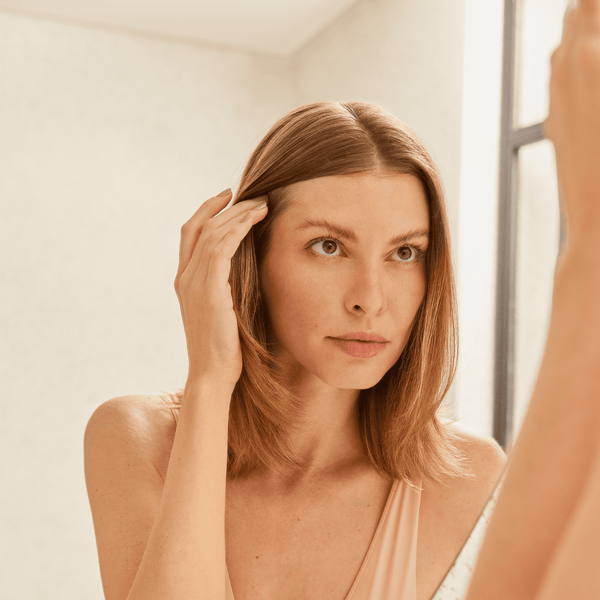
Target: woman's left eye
408 254
412 253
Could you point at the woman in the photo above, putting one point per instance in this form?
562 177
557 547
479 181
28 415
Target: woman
299 465
543 541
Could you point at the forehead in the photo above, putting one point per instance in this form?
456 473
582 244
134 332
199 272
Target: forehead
386 199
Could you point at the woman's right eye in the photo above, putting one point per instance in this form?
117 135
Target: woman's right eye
327 246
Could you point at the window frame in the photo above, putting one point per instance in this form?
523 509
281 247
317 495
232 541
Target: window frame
511 141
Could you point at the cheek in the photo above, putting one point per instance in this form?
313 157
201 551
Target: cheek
420 289
304 305
284 291
299 297
409 298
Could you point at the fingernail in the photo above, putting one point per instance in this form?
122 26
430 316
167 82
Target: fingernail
224 192
260 206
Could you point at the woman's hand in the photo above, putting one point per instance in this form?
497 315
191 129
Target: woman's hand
208 243
573 123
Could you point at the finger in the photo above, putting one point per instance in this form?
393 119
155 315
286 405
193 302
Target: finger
193 236
590 6
190 229
210 208
235 231
569 25
215 275
223 214
590 11
209 219
581 19
236 210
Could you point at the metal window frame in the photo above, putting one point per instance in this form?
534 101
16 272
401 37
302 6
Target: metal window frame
511 140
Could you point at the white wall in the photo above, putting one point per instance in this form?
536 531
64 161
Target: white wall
477 216
108 143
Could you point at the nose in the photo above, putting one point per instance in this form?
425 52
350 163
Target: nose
366 291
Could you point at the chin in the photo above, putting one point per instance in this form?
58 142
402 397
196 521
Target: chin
349 379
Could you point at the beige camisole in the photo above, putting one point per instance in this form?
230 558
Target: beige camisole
388 570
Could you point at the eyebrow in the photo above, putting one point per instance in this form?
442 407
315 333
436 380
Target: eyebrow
347 233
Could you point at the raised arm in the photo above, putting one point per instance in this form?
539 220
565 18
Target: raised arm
573 572
168 542
553 458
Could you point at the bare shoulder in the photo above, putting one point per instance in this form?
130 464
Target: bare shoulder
485 457
462 498
451 507
484 463
125 446
140 424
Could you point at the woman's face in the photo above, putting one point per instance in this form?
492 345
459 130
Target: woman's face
318 289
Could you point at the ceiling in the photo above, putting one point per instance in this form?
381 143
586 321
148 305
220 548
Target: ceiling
272 27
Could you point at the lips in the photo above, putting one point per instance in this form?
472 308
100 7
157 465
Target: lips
362 336
359 349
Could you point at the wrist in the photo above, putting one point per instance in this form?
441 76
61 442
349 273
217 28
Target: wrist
207 392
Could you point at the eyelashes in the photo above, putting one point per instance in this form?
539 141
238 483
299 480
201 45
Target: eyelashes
418 253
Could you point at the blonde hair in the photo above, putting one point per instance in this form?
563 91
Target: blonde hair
400 427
